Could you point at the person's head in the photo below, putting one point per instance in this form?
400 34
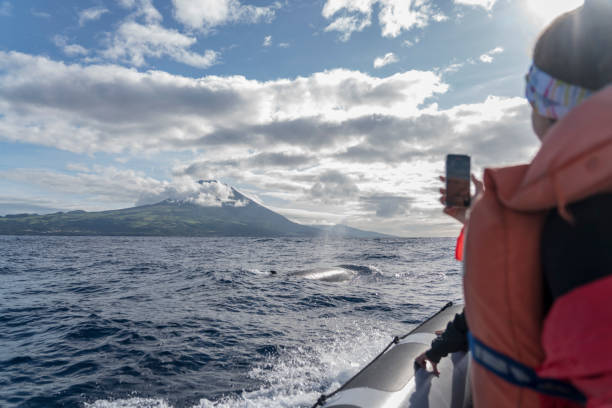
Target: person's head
576 48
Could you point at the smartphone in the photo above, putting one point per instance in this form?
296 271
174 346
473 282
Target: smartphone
457 180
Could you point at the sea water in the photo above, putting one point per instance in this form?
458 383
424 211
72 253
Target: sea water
199 322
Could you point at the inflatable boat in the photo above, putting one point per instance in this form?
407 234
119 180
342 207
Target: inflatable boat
392 380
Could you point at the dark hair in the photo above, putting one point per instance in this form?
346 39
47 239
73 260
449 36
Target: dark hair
577 46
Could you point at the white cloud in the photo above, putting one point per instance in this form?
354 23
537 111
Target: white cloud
347 25
134 43
439 17
206 14
485 58
69 49
332 7
141 36
284 45
110 108
389 58
398 15
454 67
410 43
143 9
486 4
488 56
206 193
267 41
395 16
102 184
6 9
335 142
91 14
107 184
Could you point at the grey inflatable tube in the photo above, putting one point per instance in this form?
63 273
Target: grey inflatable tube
392 380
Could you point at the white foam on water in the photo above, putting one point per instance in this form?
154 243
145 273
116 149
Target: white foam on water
130 403
296 376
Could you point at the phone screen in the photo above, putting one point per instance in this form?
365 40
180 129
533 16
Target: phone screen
457 180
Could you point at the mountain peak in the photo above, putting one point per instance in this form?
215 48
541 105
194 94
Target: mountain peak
205 193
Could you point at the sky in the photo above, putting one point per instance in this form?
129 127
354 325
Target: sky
325 111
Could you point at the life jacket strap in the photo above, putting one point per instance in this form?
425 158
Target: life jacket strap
519 374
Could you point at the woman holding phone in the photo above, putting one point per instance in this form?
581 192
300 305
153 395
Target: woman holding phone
538 249
454 337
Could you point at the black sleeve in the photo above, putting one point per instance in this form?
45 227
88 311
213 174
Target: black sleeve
453 339
574 254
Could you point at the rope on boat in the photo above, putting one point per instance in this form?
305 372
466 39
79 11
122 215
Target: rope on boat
324 397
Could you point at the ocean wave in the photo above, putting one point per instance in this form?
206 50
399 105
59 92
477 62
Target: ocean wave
181 323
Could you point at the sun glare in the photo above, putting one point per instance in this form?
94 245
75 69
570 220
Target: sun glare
548 10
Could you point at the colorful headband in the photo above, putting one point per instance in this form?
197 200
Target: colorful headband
551 97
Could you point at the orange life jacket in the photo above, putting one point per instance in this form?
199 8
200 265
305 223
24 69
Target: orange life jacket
503 278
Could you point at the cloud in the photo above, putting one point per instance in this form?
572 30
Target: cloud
486 4
91 14
347 25
488 56
387 206
261 161
410 43
113 109
141 36
110 184
337 141
485 58
454 67
134 43
206 14
389 58
11 205
341 114
333 187
6 9
267 41
394 17
206 193
102 184
69 49
439 17
143 9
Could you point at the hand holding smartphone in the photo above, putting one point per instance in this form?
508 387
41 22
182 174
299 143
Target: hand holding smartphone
457 180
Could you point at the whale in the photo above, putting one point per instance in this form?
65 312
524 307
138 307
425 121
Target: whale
326 274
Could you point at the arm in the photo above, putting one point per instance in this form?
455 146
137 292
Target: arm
453 339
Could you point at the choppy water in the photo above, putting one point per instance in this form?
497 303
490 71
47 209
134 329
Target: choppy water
198 322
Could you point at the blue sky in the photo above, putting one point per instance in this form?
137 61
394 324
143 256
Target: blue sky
327 111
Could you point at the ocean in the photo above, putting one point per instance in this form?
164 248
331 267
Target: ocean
131 322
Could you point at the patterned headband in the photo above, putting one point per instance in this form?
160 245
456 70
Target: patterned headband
551 97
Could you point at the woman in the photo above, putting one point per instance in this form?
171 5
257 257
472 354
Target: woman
538 254
454 337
